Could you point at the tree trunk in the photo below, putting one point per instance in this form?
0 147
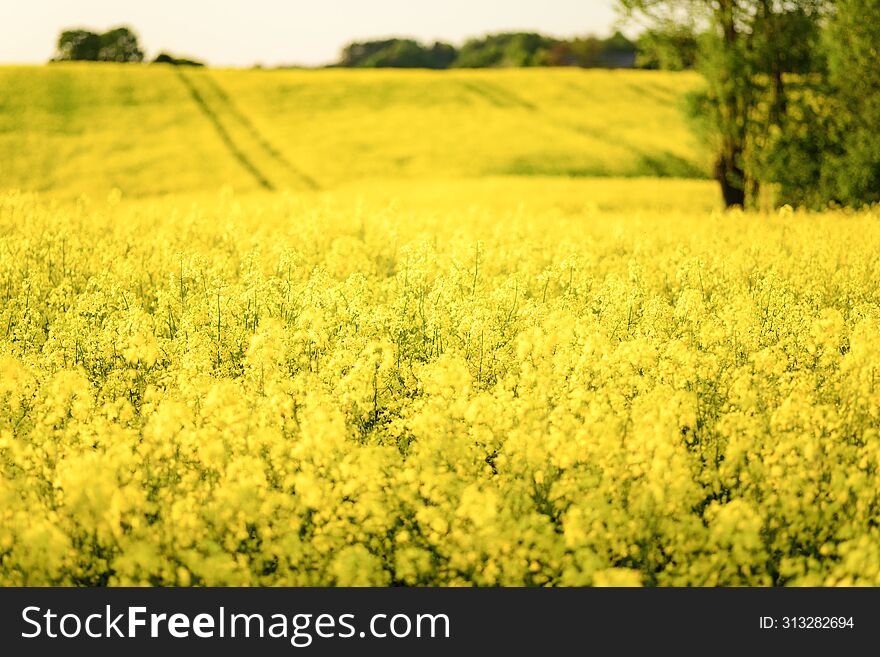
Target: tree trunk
733 110
731 177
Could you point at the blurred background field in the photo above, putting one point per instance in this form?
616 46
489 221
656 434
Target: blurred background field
88 129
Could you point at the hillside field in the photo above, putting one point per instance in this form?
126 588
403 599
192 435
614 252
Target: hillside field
158 129
405 328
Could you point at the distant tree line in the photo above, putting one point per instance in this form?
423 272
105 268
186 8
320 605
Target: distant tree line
397 53
119 44
512 49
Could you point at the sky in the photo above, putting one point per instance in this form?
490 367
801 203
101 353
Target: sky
272 32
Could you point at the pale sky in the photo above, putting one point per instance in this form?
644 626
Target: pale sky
246 32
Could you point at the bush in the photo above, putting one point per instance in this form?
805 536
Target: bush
117 45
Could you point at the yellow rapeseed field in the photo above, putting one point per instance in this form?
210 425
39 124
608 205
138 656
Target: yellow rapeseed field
286 389
80 128
410 342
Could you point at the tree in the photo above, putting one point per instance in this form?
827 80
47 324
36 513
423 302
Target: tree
741 55
592 52
165 58
78 45
673 50
826 149
511 49
442 55
120 45
854 50
397 53
117 45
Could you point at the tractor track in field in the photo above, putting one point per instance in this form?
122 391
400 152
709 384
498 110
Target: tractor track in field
222 132
497 95
213 114
268 148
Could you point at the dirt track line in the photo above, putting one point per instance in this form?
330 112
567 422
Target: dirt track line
222 132
497 95
256 135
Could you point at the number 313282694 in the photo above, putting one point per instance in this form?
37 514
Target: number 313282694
816 622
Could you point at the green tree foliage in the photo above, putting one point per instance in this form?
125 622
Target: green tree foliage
501 50
518 49
78 45
117 45
593 52
854 53
120 45
825 148
670 50
397 53
166 58
746 49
